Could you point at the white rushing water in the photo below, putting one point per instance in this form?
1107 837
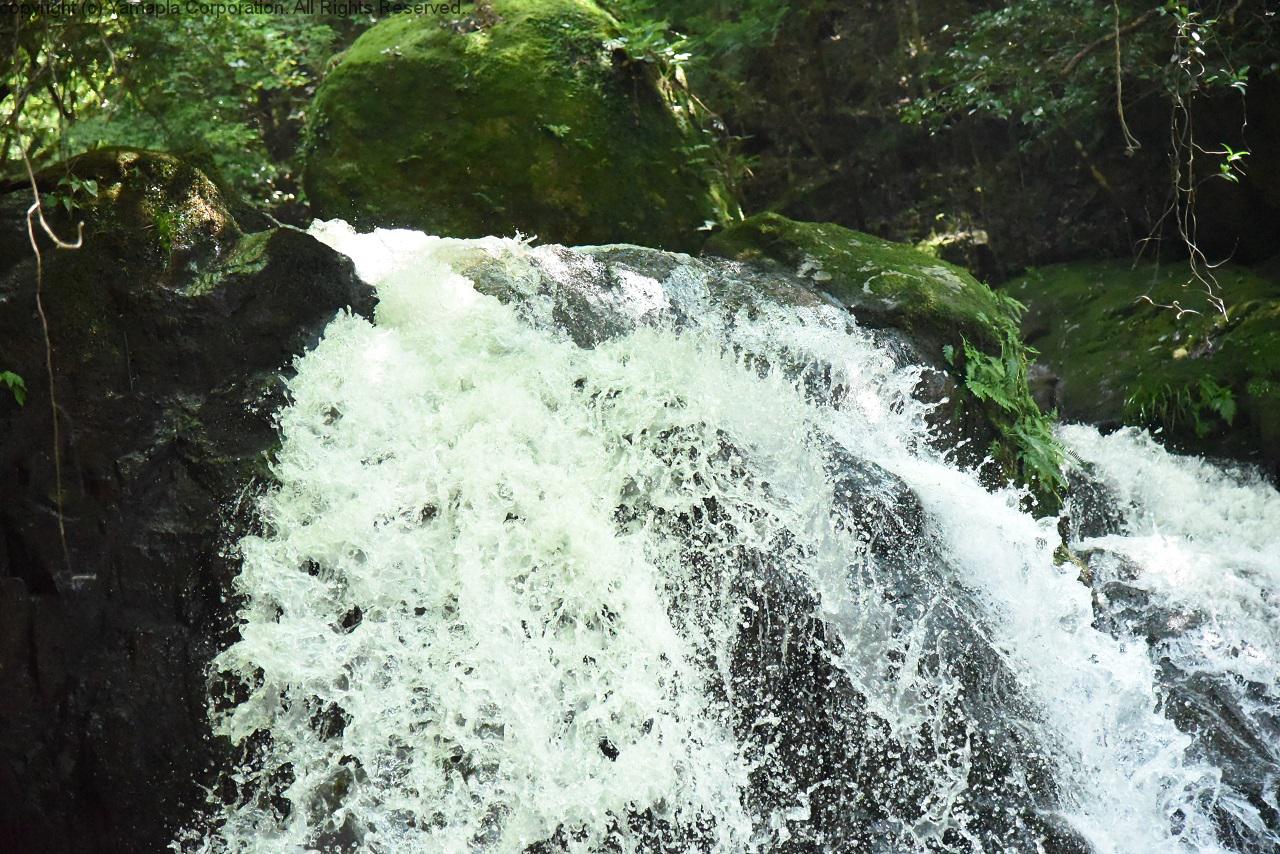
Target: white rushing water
499 591
1195 559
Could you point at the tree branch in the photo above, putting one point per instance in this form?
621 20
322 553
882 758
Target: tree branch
1115 35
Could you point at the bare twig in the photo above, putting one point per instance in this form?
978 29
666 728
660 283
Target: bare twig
1176 305
35 214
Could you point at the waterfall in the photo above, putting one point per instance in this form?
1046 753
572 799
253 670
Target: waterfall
1186 560
610 549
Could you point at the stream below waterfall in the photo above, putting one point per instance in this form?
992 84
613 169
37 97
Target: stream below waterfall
611 549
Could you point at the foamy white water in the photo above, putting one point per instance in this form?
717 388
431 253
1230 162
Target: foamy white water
1200 547
500 596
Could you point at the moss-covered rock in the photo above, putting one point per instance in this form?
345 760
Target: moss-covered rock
956 324
145 214
515 115
881 282
1210 381
167 214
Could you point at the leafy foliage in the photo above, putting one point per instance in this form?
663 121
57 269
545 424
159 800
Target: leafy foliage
1063 74
1201 405
717 36
646 39
227 92
1131 361
73 192
1045 63
17 386
1027 450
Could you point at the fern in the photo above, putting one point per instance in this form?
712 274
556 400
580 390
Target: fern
1026 450
1197 406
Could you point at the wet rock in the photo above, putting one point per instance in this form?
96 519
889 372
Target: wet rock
806 726
169 331
1207 704
1044 386
954 324
968 248
863 782
884 284
595 293
1092 510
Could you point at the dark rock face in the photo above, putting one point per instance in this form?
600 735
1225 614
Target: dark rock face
169 331
860 780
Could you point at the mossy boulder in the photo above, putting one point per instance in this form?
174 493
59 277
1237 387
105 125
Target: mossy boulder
512 115
144 213
956 324
1209 380
885 284
169 330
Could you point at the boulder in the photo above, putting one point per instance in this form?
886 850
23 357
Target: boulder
884 284
511 115
169 331
1141 345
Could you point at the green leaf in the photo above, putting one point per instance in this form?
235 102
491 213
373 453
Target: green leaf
16 385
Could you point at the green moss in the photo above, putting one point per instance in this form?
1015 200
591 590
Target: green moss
1211 382
881 281
247 257
515 116
155 208
955 319
150 218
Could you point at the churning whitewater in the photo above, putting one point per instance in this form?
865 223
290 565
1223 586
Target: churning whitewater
611 549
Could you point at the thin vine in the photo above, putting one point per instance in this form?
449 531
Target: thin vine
35 215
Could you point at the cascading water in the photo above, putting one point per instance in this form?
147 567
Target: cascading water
616 550
1187 562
